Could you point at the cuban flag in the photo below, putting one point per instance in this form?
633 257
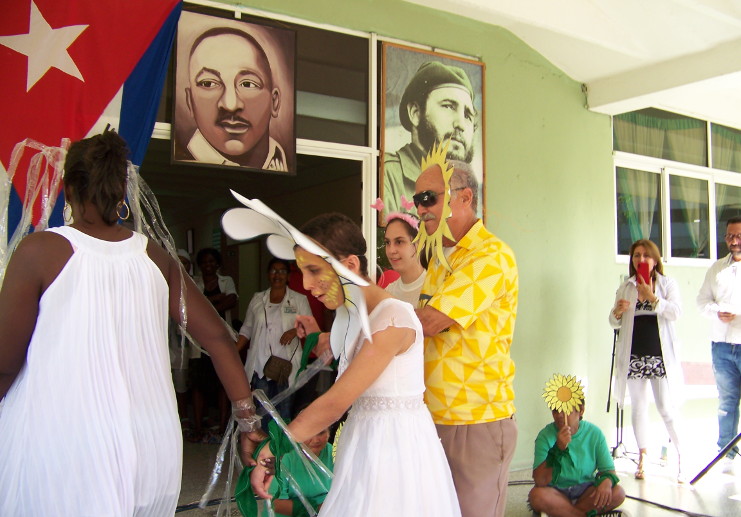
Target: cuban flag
73 66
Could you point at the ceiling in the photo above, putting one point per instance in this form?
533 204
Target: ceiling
679 55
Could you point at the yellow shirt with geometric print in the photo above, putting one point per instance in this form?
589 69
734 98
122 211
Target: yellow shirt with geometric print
468 368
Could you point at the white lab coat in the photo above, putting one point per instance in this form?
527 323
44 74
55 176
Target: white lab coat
668 309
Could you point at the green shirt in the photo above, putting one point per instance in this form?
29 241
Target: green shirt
310 488
587 454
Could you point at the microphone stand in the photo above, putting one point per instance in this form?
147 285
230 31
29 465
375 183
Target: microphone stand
619 411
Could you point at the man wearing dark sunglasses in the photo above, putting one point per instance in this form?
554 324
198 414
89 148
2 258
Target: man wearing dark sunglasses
468 312
437 106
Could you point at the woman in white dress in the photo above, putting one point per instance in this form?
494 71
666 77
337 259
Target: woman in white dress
89 423
401 252
389 458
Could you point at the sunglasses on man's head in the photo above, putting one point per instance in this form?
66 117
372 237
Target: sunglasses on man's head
428 198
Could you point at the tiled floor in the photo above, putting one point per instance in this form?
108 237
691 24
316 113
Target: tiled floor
659 495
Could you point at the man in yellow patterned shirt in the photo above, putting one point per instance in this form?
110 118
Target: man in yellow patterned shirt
467 309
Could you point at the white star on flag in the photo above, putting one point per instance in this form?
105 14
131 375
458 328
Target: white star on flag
45 47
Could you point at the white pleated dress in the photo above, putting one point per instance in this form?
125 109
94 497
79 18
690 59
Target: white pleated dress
389 458
90 427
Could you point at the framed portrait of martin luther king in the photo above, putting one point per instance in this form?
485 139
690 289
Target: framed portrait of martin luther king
428 97
235 95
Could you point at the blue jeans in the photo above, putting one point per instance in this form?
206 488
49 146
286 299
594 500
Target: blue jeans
271 389
574 492
727 370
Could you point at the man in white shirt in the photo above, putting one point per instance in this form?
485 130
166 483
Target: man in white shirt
720 300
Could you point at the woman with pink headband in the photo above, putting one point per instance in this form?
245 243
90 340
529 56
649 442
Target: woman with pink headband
401 230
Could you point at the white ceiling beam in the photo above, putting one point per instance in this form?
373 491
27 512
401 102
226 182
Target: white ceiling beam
630 89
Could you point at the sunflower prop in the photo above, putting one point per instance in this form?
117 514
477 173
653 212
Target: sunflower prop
429 245
563 393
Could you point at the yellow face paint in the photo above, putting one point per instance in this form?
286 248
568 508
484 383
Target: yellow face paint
320 279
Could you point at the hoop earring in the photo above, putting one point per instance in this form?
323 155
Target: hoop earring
67 213
120 205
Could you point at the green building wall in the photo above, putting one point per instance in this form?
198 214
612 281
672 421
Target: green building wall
549 194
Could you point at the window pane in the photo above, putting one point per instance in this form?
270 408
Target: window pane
688 214
727 205
653 132
332 83
638 202
726 148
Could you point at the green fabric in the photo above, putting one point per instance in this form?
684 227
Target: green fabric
313 491
309 345
243 493
286 458
606 475
588 454
554 459
655 122
280 444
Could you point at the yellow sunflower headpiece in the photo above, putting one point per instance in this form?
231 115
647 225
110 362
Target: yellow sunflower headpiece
430 245
563 393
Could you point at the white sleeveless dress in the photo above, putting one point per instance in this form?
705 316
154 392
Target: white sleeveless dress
389 458
90 427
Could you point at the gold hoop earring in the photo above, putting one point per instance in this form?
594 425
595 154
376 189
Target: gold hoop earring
120 205
67 213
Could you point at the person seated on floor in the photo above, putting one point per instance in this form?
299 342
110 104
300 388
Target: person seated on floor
573 469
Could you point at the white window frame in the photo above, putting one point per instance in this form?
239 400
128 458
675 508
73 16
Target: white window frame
665 168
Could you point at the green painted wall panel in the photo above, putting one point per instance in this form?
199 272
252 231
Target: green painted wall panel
549 194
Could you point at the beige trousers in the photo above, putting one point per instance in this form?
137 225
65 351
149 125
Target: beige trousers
479 456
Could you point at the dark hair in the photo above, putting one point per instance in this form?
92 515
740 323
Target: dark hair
411 230
653 251
733 220
220 31
339 235
276 260
208 251
95 170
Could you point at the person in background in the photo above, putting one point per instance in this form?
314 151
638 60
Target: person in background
269 331
222 293
645 352
401 252
573 469
720 301
89 411
185 260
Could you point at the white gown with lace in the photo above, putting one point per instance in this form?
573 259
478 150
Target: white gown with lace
389 458
90 427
